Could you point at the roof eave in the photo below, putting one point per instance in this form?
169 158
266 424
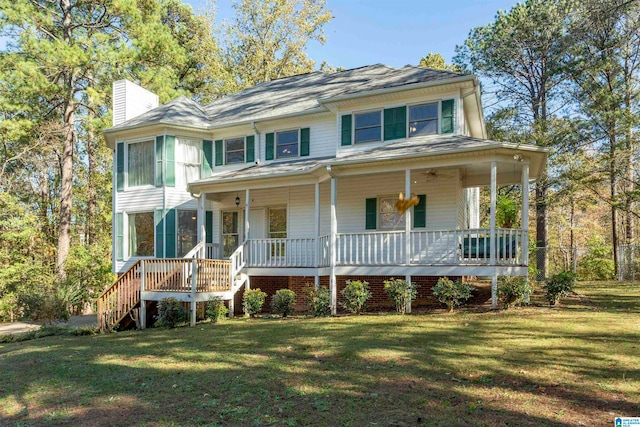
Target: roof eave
430 83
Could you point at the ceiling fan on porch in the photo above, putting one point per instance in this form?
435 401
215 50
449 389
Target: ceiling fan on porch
434 174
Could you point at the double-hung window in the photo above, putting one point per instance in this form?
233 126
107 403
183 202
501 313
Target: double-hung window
368 126
187 231
278 230
189 159
140 163
423 119
287 144
141 234
234 150
389 217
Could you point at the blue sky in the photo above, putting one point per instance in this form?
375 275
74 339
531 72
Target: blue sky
396 32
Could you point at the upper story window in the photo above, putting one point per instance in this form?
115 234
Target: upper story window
140 163
189 157
287 144
423 119
234 150
368 126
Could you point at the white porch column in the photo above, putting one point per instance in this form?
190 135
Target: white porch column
316 279
492 234
333 288
525 214
143 303
407 228
202 230
247 207
194 282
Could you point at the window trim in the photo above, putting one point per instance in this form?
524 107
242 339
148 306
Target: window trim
275 143
181 164
379 227
178 228
244 150
240 231
354 127
127 238
268 222
438 102
128 142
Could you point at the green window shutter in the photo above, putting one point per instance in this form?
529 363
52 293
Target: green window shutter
219 154
304 141
420 212
170 155
119 236
208 226
170 234
250 148
159 223
346 129
395 123
159 161
207 158
269 146
120 166
447 114
371 209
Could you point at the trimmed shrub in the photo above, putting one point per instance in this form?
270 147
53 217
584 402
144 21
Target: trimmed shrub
355 294
559 286
170 313
252 301
452 294
283 302
401 293
319 301
513 290
216 309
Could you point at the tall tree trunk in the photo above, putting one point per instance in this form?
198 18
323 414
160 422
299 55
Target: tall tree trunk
614 195
66 196
68 136
629 156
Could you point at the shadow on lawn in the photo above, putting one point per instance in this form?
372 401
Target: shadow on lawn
389 370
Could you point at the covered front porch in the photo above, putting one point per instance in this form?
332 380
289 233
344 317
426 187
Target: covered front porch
323 226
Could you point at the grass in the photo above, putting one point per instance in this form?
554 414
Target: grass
577 364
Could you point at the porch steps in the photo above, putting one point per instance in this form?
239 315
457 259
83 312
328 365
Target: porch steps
119 304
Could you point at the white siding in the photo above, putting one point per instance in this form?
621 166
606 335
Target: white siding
131 100
442 200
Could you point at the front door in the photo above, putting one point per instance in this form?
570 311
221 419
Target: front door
230 232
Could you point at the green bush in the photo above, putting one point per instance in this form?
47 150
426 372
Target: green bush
216 309
597 263
252 301
401 293
452 294
559 286
513 290
283 302
355 294
319 300
170 313
10 307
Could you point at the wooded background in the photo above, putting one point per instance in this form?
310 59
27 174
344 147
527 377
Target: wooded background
559 74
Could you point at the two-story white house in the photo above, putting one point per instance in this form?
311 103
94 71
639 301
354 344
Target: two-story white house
295 181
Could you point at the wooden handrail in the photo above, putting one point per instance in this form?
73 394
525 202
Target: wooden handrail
119 298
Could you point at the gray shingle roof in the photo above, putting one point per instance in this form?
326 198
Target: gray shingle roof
181 111
296 94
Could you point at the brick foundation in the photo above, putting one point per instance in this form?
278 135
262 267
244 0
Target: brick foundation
379 299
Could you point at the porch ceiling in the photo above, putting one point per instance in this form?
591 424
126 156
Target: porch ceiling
471 155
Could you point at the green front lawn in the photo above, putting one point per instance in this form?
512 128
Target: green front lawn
579 363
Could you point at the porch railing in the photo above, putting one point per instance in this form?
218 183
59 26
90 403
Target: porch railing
176 275
299 252
442 247
379 248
